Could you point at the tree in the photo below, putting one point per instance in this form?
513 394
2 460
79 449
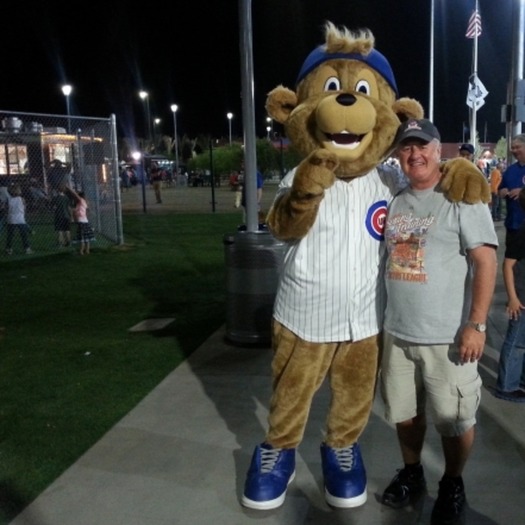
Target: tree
500 150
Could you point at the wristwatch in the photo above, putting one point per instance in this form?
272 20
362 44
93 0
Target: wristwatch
479 327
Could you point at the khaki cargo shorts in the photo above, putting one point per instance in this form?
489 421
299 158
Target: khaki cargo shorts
416 378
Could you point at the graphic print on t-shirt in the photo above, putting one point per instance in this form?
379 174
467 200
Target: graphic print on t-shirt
406 240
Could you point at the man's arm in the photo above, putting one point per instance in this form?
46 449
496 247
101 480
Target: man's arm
514 306
484 267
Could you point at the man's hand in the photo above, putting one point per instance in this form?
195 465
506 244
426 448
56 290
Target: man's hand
471 344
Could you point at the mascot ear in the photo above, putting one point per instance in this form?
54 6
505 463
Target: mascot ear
406 108
280 102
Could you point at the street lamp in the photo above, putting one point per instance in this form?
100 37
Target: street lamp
66 90
145 99
230 116
268 129
174 109
141 174
156 134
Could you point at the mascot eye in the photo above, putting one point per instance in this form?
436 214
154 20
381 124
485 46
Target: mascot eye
332 84
363 87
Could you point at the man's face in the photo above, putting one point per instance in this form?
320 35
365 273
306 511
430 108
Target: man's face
419 161
518 150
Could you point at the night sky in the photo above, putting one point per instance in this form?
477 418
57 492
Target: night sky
189 54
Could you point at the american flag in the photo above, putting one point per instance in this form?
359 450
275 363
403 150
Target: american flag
474 25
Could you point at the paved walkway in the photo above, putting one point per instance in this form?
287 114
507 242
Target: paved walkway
180 456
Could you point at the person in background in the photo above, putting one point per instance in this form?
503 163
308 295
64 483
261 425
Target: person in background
466 151
512 181
4 198
156 181
484 162
259 186
495 181
238 187
62 217
57 175
16 219
125 178
85 234
440 277
511 366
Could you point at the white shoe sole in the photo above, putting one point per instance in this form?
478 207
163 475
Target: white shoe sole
266 505
345 503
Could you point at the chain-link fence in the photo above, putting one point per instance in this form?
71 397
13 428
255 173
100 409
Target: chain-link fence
39 155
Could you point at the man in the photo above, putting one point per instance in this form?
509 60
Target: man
440 277
512 181
467 151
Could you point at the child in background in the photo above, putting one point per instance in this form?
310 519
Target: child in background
16 219
62 217
511 368
85 232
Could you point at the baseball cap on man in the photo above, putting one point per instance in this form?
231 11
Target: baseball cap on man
417 129
467 147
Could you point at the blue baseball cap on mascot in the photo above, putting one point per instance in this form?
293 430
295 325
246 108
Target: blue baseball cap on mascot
374 59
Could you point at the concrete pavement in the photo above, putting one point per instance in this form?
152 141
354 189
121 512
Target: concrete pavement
180 456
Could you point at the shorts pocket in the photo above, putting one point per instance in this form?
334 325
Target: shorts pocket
469 397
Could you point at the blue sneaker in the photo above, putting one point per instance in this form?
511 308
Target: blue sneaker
344 476
270 473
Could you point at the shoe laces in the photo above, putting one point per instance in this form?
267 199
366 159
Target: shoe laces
269 458
453 492
345 457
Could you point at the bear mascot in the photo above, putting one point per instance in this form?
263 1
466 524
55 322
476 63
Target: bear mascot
330 209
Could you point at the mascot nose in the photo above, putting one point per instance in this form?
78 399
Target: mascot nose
346 99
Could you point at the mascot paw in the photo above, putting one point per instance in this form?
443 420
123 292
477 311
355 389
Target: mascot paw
462 181
315 174
325 159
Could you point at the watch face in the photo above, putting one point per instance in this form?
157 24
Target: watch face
480 327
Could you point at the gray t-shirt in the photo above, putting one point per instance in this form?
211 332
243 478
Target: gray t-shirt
427 272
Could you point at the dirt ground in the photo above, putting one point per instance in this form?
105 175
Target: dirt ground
184 199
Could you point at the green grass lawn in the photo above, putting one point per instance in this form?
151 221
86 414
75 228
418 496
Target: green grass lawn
70 367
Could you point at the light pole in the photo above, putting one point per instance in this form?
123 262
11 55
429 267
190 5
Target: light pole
141 173
145 99
268 129
156 122
230 116
174 109
66 90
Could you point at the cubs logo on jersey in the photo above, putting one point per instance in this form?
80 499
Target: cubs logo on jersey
375 220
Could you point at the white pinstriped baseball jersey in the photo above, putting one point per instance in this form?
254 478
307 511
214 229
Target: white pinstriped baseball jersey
330 289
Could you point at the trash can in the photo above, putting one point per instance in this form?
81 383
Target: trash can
253 264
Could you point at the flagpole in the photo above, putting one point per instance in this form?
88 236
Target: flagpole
473 124
431 77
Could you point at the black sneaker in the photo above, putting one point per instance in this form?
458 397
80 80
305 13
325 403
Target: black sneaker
407 484
450 503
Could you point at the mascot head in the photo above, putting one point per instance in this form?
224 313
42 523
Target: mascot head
346 101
